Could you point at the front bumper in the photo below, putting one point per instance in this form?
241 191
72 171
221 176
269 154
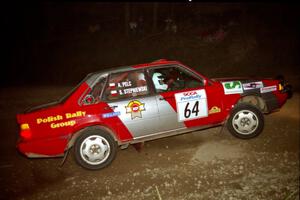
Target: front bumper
288 89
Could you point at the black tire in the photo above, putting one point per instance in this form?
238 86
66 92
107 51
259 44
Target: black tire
91 146
246 121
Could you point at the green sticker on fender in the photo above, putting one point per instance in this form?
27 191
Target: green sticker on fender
232 87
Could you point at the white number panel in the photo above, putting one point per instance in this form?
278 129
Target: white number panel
191 105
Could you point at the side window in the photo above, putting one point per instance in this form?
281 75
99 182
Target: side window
126 84
95 94
173 78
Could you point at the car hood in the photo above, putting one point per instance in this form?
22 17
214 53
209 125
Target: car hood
243 79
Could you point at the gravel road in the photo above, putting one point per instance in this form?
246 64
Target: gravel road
207 164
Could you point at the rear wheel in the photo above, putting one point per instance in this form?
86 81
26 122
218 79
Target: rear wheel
246 121
95 149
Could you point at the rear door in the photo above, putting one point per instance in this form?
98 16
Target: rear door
129 95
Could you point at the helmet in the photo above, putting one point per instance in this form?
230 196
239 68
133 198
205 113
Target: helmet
158 80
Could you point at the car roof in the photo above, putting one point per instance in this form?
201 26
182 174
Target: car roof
90 78
137 66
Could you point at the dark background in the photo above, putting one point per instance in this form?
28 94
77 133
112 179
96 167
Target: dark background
49 47
59 43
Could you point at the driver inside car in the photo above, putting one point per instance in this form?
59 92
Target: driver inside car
159 82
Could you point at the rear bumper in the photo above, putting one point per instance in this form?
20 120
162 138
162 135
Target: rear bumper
42 148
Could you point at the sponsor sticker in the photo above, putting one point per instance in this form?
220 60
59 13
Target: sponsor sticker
253 85
67 116
63 124
111 114
135 108
214 109
191 105
268 89
232 87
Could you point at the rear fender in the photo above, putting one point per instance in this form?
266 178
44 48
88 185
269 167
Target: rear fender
74 136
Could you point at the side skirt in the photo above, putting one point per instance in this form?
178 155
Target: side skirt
170 133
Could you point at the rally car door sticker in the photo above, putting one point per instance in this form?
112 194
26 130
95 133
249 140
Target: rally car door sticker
253 85
214 109
191 105
135 108
232 87
111 114
268 89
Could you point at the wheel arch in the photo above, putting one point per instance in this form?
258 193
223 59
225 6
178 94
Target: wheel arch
99 127
255 100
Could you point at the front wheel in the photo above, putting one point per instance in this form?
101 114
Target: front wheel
246 121
95 149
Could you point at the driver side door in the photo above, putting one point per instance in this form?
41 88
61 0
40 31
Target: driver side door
183 100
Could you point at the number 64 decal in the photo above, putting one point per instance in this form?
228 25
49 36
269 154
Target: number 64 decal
191 105
188 111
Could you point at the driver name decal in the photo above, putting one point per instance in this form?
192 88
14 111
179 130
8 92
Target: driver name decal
191 105
133 90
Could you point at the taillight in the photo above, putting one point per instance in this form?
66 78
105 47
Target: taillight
24 127
25 131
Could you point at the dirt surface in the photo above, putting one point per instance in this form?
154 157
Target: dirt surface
208 164
53 43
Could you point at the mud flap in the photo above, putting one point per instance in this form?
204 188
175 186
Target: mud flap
139 146
222 127
64 158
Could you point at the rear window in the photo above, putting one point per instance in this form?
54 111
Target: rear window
95 93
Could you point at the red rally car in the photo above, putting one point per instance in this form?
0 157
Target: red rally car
133 104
